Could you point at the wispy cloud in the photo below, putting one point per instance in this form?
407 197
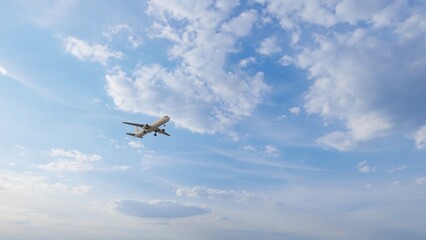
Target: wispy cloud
72 160
397 169
34 183
158 209
90 52
339 140
269 150
133 39
211 193
82 189
363 167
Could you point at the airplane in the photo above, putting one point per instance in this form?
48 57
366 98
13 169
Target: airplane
143 129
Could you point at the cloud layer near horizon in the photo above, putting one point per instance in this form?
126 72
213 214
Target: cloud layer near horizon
158 209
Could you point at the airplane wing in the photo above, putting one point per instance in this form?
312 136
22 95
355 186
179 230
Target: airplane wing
144 126
165 133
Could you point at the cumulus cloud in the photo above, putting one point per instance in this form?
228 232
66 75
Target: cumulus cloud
368 75
73 161
158 209
286 60
289 12
201 92
90 52
269 46
246 61
420 138
3 71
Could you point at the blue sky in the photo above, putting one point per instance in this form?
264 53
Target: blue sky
289 119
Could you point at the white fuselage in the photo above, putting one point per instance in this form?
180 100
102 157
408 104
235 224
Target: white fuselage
152 127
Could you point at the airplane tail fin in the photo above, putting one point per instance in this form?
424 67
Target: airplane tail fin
133 135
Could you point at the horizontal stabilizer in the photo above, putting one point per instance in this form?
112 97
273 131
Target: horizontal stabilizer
131 134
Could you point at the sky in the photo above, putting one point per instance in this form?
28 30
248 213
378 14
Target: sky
289 119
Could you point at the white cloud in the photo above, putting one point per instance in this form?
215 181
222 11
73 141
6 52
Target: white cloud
295 111
3 71
289 12
246 61
25 182
339 140
114 30
412 27
249 148
73 161
134 144
125 30
90 52
281 117
135 41
71 166
354 70
33 183
391 14
211 193
286 60
82 189
397 169
158 209
96 100
271 150
121 168
364 168
420 138
74 155
420 180
269 46
241 25
202 92
352 11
